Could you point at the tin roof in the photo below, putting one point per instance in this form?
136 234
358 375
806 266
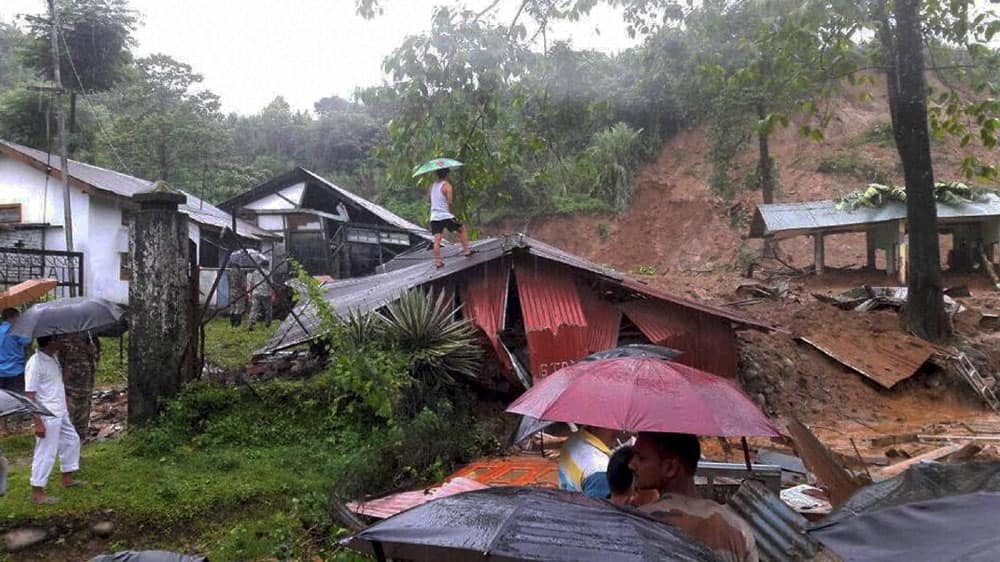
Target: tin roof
778 531
416 269
300 174
782 220
124 185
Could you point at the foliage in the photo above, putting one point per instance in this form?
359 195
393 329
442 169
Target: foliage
616 154
95 38
879 133
853 165
423 325
877 195
645 270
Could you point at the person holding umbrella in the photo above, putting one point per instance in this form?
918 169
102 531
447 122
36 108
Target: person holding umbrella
667 463
442 218
12 349
55 435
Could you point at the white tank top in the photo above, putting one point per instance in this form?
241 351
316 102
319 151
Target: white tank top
439 203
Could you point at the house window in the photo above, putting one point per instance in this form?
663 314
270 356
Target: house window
124 267
10 213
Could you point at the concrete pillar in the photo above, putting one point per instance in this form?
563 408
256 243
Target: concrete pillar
819 251
160 325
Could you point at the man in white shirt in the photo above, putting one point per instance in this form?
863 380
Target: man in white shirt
55 435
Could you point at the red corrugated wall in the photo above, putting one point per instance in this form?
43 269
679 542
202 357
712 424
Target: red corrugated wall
553 315
484 302
603 321
708 342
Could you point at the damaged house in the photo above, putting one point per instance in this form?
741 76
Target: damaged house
326 228
539 307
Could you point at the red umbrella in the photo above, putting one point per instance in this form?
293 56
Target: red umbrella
644 394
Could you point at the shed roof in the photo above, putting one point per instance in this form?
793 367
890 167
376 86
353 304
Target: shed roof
781 220
124 185
416 269
300 174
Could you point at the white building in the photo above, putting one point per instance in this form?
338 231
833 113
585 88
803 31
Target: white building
31 217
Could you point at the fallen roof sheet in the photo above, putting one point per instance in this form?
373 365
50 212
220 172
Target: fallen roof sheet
883 358
26 291
782 220
778 530
124 185
387 506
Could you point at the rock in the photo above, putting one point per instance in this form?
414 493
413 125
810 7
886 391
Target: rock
760 399
103 529
20 539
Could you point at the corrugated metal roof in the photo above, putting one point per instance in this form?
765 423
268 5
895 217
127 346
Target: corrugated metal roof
416 269
484 302
124 185
884 358
603 321
790 219
385 507
777 529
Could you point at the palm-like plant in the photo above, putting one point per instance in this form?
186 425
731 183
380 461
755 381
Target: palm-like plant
423 325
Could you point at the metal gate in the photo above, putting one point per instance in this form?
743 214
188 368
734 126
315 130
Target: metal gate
21 264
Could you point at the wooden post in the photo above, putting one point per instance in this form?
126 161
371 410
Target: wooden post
871 262
818 250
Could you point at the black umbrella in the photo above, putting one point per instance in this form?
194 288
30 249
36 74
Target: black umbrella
13 404
507 524
529 426
247 259
902 518
67 316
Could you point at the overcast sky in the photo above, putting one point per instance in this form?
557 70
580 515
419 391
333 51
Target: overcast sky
253 50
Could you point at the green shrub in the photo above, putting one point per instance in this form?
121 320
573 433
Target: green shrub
616 154
853 165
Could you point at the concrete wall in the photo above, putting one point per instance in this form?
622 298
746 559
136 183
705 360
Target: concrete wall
104 250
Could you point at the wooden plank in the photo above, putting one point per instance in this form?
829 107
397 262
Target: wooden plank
900 467
995 437
821 462
886 440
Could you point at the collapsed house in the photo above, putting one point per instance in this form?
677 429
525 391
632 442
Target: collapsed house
974 227
539 307
326 228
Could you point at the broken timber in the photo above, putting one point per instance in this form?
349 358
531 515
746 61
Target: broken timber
984 386
900 467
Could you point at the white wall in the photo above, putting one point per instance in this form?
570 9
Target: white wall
102 251
20 183
274 223
279 200
97 228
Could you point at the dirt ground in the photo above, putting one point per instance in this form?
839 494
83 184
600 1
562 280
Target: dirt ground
697 243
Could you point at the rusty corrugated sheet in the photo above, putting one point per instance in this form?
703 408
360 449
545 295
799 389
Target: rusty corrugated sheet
385 507
883 358
549 299
554 322
603 321
708 342
777 529
484 298
710 309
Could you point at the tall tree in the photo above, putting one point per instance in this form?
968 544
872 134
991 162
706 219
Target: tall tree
94 42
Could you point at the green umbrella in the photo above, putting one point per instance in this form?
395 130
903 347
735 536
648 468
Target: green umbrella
436 164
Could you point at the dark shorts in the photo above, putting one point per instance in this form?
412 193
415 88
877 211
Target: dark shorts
451 225
15 383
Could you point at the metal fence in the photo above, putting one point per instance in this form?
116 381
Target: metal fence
21 264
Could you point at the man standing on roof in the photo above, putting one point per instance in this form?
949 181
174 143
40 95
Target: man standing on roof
443 219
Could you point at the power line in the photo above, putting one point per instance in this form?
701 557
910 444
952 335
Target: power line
97 117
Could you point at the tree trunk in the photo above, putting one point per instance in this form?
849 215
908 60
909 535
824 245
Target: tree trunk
925 314
764 177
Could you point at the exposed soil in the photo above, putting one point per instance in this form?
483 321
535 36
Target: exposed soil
697 244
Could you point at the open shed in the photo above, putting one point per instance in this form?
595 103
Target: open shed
540 306
973 225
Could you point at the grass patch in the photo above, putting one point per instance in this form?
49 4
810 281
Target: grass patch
225 346
878 134
854 165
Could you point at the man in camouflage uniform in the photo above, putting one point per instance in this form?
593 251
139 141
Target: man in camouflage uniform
239 300
78 356
260 296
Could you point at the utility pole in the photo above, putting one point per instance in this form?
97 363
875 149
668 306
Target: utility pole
61 124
